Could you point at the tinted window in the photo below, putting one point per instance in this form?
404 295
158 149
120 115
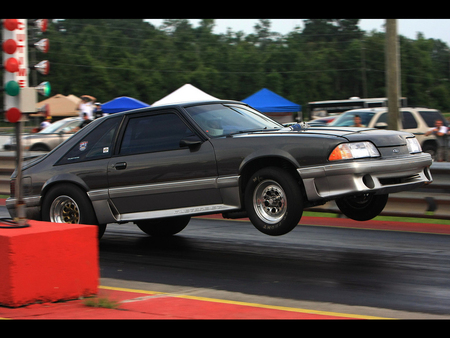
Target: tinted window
218 120
431 116
408 120
152 133
97 144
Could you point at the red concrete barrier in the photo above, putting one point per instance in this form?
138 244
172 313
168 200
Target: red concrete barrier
47 262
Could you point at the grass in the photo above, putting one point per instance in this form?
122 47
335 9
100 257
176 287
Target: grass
385 218
102 302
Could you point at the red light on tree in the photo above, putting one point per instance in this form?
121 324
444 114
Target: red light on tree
10 24
43 67
12 65
13 115
42 45
41 24
9 46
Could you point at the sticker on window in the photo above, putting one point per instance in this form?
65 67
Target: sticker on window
83 145
105 150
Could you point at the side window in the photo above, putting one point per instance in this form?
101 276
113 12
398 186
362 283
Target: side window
382 118
408 120
151 133
95 145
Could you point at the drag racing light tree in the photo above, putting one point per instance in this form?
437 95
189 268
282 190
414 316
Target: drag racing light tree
15 77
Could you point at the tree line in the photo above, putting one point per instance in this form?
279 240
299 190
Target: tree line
326 59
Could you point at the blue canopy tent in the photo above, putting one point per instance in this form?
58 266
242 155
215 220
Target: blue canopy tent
273 105
122 103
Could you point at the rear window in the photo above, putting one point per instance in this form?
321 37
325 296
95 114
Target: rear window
95 145
431 116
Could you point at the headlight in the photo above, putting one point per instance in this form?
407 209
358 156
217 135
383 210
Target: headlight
413 145
347 151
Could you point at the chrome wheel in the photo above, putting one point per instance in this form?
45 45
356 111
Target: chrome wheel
64 210
269 201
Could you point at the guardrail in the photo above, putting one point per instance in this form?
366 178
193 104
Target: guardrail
429 201
7 166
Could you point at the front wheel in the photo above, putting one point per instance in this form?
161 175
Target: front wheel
273 201
362 208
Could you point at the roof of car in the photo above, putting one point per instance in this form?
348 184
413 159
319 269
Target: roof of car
382 109
178 104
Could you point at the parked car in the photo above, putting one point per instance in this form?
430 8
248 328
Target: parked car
414 120
159 166
322 121
48 138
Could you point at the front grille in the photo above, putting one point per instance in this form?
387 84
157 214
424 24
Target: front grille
399 180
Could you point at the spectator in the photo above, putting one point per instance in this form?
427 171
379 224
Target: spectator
85 122
46 123
357 121
86 106
98 111
440 131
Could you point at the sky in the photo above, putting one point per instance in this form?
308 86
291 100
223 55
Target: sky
430 28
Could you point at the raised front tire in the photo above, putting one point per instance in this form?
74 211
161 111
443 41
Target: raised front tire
362 208
273 201
163 227
67 203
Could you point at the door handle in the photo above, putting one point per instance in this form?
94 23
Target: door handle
120 165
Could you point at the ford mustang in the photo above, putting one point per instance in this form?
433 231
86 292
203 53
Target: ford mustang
159 166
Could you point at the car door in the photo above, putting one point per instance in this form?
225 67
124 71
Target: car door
152 173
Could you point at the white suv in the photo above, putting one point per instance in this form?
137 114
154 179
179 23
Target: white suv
414 120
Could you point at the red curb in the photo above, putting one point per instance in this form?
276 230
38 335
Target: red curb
148 305
137 305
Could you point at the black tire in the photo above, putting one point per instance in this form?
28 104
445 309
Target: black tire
39 147
273 201
67 203
430 149
163 227
362 208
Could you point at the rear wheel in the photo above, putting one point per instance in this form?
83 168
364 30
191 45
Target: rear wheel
273 201
163 227
362 208
39 147
69 204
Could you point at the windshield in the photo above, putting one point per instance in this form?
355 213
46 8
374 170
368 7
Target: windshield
347 119
220 120
59 126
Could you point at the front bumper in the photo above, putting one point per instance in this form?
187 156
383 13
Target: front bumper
381 176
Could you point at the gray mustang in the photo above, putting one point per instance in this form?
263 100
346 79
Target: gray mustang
159 166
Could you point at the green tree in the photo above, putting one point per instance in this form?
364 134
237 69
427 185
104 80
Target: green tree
327 59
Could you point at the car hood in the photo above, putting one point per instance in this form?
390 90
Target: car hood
379 137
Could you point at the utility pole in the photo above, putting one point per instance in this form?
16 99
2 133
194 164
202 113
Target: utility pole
392 73
363 69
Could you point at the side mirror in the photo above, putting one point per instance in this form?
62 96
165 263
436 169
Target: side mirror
381 125
191 142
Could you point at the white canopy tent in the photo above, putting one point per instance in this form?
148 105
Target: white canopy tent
186 93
